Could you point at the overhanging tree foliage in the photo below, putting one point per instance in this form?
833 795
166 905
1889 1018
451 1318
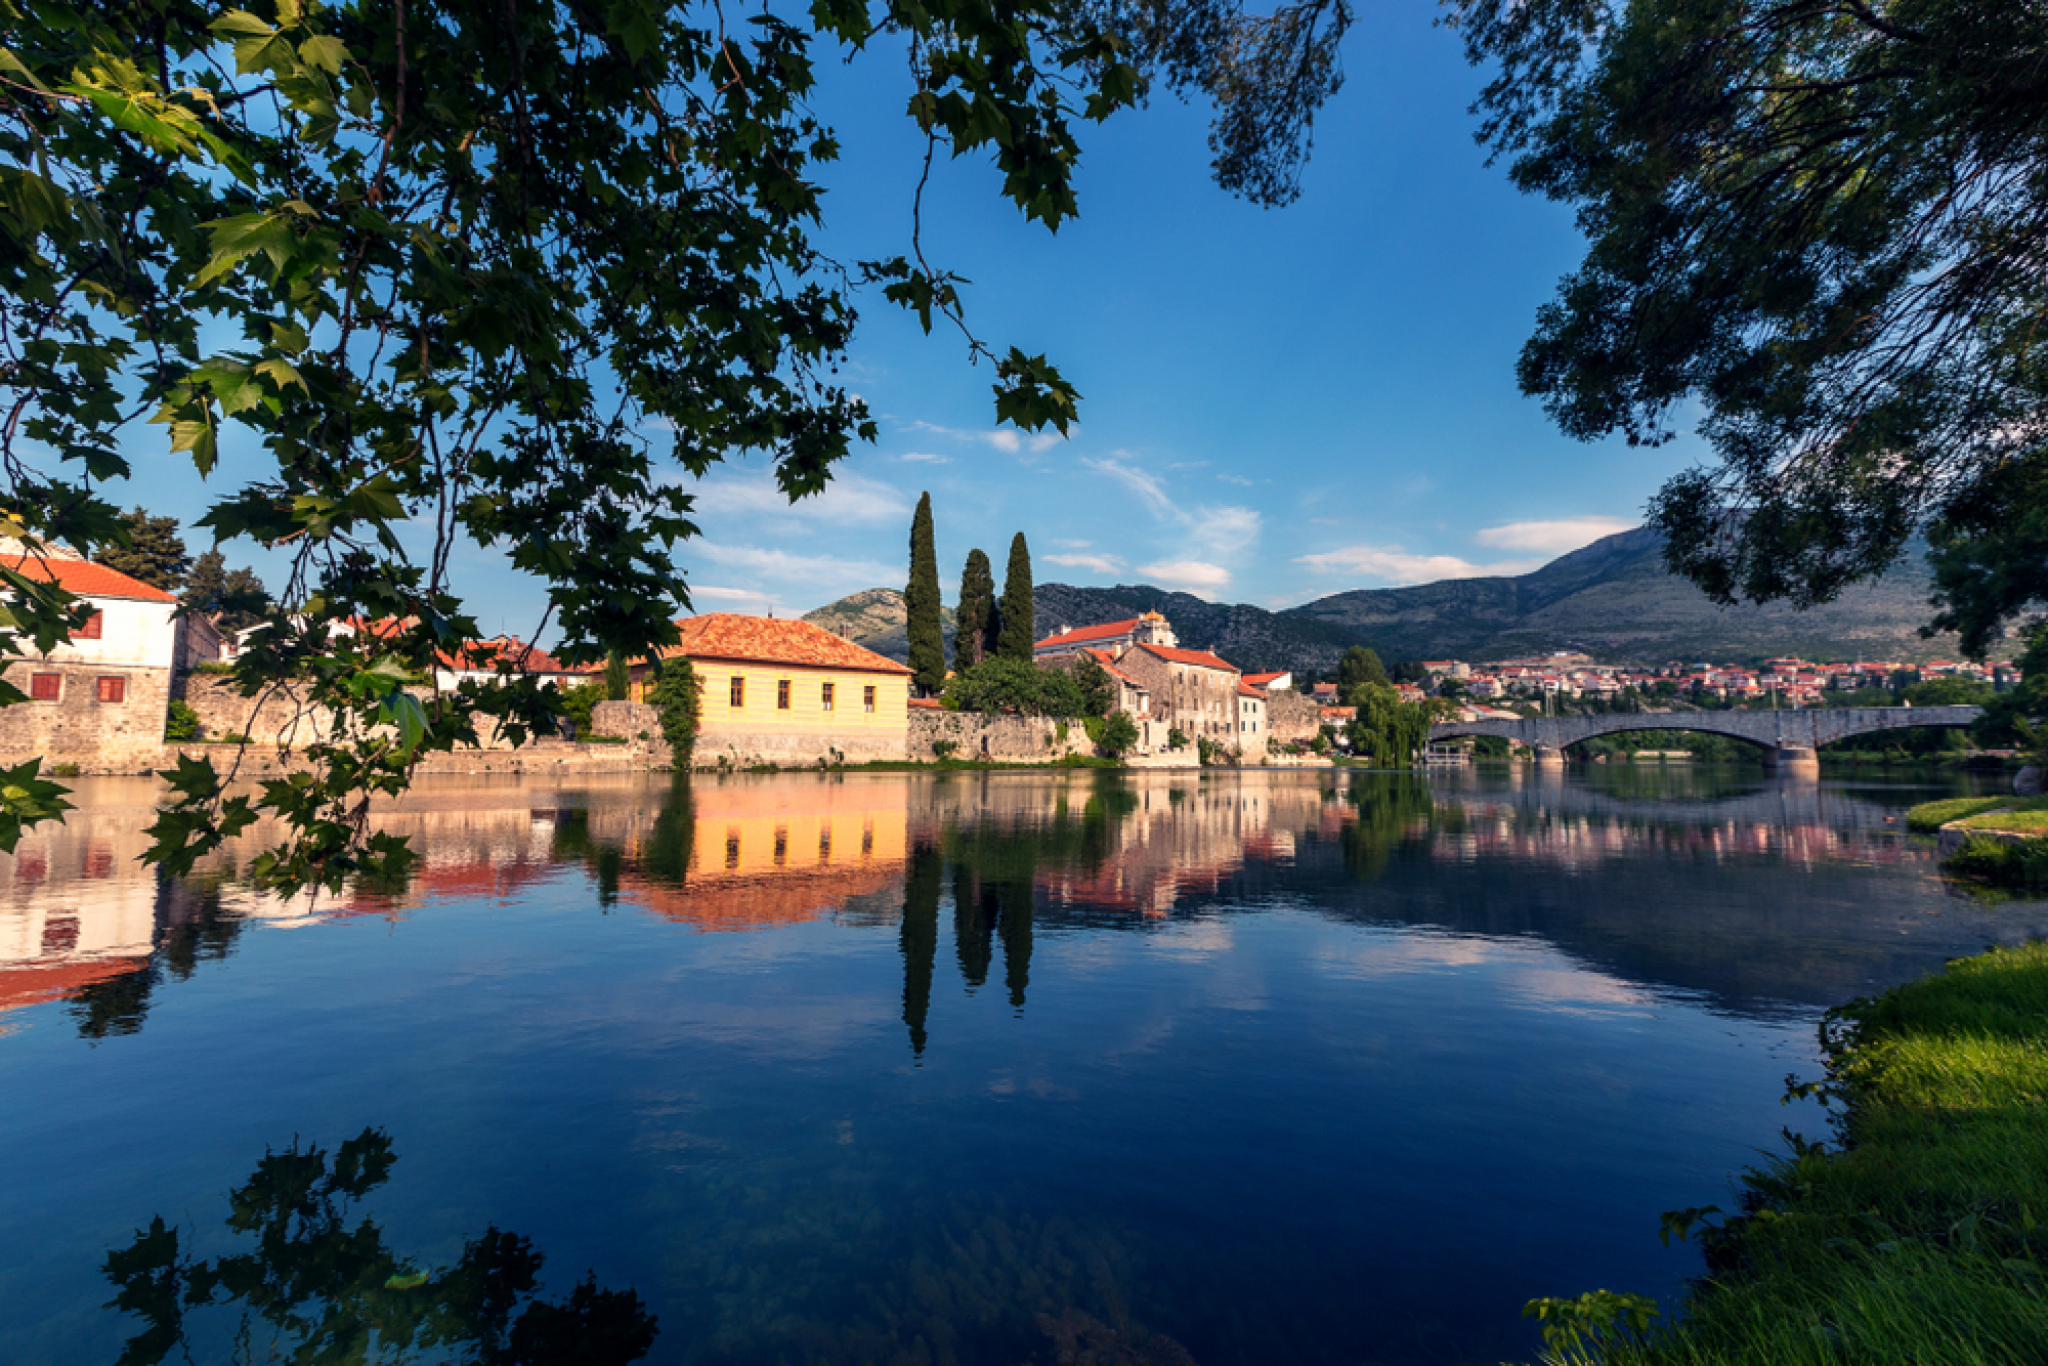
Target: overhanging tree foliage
1824 226
976 614
1018 622
446 272
925 624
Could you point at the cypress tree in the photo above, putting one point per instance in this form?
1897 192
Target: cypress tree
975 618
1019 632
921 602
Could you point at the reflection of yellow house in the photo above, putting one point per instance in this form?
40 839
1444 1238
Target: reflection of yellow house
773 855
783 691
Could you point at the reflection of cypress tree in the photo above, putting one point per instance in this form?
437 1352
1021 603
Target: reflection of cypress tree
1016 931
323 1280
920 938
971 926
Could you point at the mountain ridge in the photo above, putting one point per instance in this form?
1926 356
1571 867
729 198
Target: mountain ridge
1612 599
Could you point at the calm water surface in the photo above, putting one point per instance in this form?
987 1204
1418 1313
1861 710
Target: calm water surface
1307 1067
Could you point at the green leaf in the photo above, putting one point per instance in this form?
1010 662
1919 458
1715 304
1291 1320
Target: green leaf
329 54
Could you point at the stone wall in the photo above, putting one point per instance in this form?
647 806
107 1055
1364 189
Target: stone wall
78 728
1292 716
996 739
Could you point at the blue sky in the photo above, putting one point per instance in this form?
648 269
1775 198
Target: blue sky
1278 404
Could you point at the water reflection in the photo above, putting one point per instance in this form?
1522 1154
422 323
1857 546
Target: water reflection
995 857
319 1283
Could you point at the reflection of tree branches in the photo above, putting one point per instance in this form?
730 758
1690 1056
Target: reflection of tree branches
329 1289
1267 73
1387 809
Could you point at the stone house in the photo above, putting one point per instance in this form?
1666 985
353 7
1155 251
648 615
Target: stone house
1192 691
103 697
787 692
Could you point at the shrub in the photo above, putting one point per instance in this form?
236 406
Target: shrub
576 702
676 697
1016 687
182 723
217 668
944 749
1116 736
1176 740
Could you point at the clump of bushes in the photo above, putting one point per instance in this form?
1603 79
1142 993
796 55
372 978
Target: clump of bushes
182 722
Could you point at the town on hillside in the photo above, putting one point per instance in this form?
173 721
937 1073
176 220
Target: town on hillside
144 677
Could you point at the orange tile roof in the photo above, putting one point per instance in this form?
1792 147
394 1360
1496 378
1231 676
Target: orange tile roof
1245 689
84 578
1200 658
1081 633
483 656
774 640
1108 663
1339 713
927 704
1261 680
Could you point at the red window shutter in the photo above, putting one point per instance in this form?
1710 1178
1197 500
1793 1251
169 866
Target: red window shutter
113 690
46 687
93 626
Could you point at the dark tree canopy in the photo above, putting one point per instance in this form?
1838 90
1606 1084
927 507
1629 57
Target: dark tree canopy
926 621
975 618
235 598
1821 228
1019 624
1359 667
150 549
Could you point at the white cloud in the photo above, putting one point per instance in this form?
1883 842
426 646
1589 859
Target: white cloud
1393 565
1101 564
1008 440
849 500
924 458
1236 479
826 576
738 597
1073 545
1191 576
1552 538
1147 486
1224 531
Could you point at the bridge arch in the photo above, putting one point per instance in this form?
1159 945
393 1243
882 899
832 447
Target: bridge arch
1786 737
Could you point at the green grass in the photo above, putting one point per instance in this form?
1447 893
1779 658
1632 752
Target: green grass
1931 816
1921 1239
2027 816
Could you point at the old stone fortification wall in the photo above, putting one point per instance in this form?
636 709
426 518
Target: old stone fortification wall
1292 716
743 750
78 728
998 739
278 716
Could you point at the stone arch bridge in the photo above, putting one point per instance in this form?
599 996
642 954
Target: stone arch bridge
1787 738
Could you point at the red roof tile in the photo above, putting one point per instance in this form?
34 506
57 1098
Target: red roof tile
1200 658
84 578
483 656
1086 633
772 640
927 704
1245 689
1108 663
1261 680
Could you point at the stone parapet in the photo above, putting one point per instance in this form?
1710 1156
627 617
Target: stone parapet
995 739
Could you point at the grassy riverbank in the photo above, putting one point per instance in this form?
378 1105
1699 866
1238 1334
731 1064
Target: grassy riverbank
1924 1238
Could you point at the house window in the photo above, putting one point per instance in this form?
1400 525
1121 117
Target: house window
825 694
46 687
113 690
782 695
867 697
94 624
739 691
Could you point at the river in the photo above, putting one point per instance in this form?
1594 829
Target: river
1303 1066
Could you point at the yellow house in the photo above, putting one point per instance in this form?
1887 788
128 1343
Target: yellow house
788 692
